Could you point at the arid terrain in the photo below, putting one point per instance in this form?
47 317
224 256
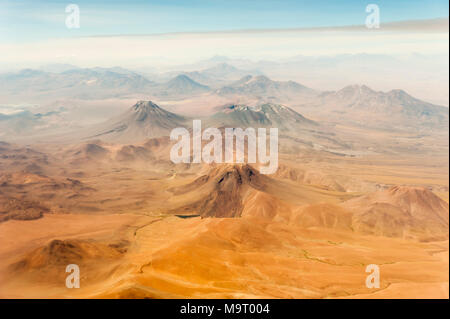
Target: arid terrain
344 196
224 150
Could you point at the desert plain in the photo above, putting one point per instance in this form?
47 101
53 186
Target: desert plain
140 226
361 179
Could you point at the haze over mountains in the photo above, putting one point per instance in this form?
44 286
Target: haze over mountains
344 196
362 179
355 104
261 86
220 74
91 83
181 85
80 83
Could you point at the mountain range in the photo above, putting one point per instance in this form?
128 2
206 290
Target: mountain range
264 115
220 74
63 80
263 87
79 83
24 122
353 105
361 105
146 120
241 191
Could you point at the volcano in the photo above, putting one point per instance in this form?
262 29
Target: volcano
223 190
143 120
264 115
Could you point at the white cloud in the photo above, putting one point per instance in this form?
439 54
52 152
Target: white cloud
427 37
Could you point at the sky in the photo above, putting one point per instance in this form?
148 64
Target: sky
36 20
162 35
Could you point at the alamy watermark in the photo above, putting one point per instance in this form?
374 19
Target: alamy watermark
213 151
73 280
373 19
373 280
73 19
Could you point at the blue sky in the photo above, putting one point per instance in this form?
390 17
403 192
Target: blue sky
23 21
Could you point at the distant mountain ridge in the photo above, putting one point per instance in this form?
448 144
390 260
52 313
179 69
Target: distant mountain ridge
79 83
353 105
370 107
219 75
25 121
263 86
180 85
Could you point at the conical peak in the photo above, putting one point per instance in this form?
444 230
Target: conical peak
145 105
